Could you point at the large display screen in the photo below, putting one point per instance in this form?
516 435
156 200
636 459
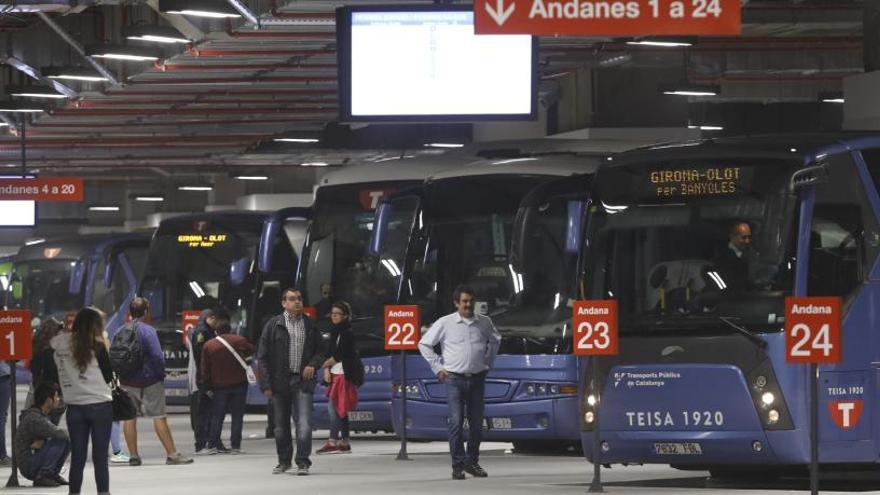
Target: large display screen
18 213
424 63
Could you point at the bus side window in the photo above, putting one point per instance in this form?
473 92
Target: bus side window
844 233
872 158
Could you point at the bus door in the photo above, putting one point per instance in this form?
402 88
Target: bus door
119 271
839 242
397 226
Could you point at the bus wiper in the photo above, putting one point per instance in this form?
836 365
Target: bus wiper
758 341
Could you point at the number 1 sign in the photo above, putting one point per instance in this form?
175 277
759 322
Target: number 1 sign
15 335
812 330
402 328
595 328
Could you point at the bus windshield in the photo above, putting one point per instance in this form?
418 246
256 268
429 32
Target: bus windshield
44 288
189 270
467 240
686 247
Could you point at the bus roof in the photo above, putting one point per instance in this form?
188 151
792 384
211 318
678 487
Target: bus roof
71 248
787 147
174 224
557 165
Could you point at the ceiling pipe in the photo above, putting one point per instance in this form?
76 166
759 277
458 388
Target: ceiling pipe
245 12
77 47
285 35
204 52
170 102
236 80
93 112
225 92
80 126
254 67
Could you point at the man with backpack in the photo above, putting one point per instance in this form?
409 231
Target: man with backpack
136 356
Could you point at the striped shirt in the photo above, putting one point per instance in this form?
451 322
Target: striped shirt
296 329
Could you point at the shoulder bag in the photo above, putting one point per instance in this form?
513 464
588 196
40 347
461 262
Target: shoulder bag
251 376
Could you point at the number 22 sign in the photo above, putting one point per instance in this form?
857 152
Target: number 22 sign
402 327
812 330
595 328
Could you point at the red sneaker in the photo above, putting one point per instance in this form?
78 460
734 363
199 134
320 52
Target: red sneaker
344 448
328 448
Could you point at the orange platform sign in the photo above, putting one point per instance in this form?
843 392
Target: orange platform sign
595 328
402 327
42 189
812 330
608 17
15 335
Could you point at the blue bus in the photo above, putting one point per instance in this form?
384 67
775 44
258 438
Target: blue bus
458 229
336 256
701 380
240 260
54 276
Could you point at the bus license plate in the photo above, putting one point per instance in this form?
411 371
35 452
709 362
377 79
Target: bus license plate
176 392
686 448
502 423
360 416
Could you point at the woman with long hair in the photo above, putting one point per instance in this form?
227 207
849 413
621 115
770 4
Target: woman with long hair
84 373
343 373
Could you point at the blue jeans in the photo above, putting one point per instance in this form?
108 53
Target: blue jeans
464 397
295 402
234 399
48 461
5 396
83 422
337 425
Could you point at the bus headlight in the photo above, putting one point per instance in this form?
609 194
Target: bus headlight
589 417
773 416
591 400
760 381
768 398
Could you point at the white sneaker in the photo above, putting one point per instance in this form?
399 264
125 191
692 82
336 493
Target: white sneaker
120 458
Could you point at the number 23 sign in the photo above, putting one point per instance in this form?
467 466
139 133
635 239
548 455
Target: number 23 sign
402 327
595 328
812 330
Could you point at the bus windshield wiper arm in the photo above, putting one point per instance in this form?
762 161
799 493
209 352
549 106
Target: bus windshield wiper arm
758 341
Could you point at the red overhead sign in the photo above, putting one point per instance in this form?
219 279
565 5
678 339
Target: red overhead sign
42 189
402 327
812 330
595 328
608 17
15 335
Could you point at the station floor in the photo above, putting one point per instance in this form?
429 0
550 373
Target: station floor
372 469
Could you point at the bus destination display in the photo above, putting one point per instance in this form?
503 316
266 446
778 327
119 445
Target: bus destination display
201 240
696 182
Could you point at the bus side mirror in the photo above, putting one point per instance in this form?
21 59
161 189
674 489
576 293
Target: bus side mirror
574 226
380 229
808 176
77 274
238 270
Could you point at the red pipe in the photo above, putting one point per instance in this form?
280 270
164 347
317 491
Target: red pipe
323 110
225 92
85 128
288 35
304 15
228 80
254 67
198 52
190 140
166 101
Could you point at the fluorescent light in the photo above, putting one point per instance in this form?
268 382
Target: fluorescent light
197 289
39 95
71 77
34 91
251 177
72 73
158 39
34 242
685 89
793 150
296 140
103 208
150 199
314 164
833 100
5 108
204 13
514 160
195 188
684 92
706 127
444 145
663 41
124 56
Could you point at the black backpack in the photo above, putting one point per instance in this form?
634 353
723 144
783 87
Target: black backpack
126 353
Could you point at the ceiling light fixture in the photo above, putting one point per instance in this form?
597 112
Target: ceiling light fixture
213 9
691 90
72 74
98 207
149 198
663 42
296 140
314 164
707 127
444 145
20 107
155 34
195 188
34 91
831 97
123 52
251 177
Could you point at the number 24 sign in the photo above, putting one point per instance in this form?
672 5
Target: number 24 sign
15 335
812 330
402 327
595 328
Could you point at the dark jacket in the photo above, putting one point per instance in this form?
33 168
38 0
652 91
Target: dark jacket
34 425
273 354
219 368
734 270
43 368
341 347
200 336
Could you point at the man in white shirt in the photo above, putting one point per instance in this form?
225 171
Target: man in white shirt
469 344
